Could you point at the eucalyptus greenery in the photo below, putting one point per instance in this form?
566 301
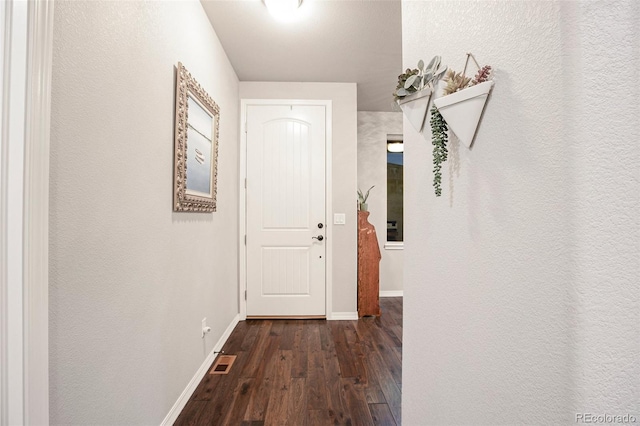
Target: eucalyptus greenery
439 140
402 79
412 81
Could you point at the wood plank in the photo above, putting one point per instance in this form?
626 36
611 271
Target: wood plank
319 418
300 340
300 349
356 402
288 334
348 365
380 363
234 342
372 389
191 413
397 331
253 328
388 384
265 374
336 404
317 393
381 415
357 351
252 423
297 414
370 331
280 395
398 351
277 328
257 351
397 375
241 396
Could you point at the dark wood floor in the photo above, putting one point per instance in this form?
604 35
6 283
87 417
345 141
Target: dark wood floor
307 372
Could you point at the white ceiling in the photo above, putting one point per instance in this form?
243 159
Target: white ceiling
353 41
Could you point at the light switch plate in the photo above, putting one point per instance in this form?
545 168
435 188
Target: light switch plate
339 219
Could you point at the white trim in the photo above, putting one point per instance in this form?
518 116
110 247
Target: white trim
13 125
36 214
343 316
391 293
4 263
242 273
175 411
242 213
394 245
329 205
26 92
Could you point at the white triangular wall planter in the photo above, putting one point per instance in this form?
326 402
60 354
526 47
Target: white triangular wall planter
462 110
415 107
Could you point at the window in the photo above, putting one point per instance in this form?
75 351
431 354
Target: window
395 153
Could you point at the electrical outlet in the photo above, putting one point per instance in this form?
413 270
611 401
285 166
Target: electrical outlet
205 329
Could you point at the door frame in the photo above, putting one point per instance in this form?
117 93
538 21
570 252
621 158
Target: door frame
242 228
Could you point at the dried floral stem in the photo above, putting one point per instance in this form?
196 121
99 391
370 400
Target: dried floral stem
484 74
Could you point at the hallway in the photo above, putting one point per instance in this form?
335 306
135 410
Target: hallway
307 372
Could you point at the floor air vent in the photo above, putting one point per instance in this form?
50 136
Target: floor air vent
223 364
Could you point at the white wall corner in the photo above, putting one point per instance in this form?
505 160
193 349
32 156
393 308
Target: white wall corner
175 411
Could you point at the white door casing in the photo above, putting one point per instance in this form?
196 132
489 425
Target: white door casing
26 43
285 210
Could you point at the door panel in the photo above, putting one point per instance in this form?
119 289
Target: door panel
286 177
285 204
285 271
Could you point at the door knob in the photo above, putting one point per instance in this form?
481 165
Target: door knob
319 238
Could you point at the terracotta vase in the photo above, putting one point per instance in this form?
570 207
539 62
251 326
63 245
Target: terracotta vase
368 267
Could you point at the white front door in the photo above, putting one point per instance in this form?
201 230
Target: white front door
286 210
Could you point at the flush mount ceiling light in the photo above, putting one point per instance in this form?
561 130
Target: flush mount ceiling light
395 143
283 10
395 146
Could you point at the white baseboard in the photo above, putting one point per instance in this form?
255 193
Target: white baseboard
175 411
342 316
391 293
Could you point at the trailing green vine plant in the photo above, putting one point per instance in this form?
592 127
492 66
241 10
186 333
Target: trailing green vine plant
439 140
454 82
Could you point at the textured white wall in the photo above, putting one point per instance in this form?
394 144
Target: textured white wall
522 280
344 163
130 279
373 128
